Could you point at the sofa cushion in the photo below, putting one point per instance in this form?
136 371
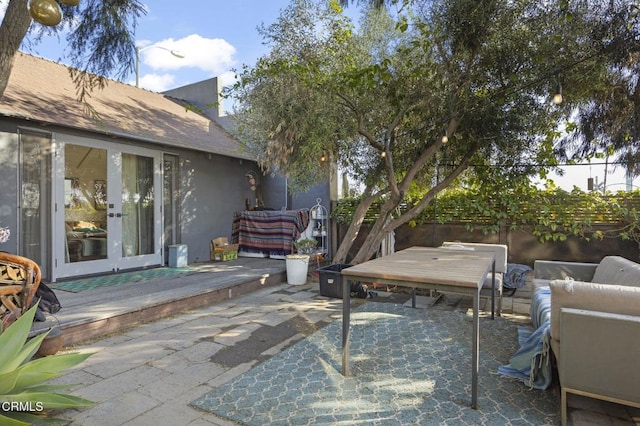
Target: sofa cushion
499 249
591 296
487 282
617 270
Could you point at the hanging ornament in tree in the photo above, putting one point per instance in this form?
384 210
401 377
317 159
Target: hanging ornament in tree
46 12
70 2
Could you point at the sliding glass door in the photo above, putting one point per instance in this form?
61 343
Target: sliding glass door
34 204
111 216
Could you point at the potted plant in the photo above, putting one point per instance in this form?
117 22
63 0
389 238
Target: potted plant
305 245
298 264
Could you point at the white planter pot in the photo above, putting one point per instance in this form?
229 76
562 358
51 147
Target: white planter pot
297 268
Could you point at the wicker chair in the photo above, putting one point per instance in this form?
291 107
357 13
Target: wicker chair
19 281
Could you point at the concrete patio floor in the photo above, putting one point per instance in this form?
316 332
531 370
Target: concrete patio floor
148 364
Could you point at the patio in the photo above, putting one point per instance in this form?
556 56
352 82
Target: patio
152 372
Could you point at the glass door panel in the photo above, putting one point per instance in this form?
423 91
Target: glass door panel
85 217
110 219
170 208
138 236
35 201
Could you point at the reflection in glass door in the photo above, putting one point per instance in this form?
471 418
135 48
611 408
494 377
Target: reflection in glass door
34 204
111 218
137 205
170 209
85 216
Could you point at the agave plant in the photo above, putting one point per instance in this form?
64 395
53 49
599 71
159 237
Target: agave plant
24 399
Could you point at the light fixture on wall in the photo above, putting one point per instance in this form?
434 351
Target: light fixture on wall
251 180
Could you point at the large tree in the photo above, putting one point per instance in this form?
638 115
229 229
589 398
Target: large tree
100 39
379 100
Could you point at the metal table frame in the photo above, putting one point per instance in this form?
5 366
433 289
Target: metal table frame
428 279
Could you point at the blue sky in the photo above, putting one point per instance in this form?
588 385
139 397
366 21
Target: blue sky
214 36
217 36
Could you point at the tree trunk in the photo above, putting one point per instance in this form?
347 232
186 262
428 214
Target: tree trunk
356 224
384 223
13 29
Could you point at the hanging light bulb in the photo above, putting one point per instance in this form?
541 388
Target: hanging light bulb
323 158
46 12
557 96
445 138
383 154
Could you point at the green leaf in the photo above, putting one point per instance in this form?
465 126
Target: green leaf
25 418
9 419
7 381
48 367
53 400
13 339
28 351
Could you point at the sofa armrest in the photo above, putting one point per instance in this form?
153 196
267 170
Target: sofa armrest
593 297
600 354
556 270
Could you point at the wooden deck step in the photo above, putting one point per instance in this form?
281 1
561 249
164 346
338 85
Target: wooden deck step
93 314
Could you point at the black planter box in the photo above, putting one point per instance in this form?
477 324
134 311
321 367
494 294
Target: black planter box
331 280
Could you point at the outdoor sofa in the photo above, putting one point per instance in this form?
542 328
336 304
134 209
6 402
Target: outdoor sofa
593 312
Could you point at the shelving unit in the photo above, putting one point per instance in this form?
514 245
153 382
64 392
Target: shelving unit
320 232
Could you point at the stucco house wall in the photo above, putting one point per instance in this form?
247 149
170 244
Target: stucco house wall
40 99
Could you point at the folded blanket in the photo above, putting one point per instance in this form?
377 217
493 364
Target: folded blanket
540 306
531 363
516 275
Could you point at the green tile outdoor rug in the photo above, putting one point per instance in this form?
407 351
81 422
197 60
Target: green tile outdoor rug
410 366
120 278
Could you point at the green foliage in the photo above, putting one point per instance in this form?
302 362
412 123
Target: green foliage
21 377
550 214
378 99
100 36
305 245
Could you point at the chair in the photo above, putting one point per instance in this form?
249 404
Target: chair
19 281
500 251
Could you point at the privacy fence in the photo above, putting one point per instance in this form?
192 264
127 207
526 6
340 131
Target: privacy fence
535 224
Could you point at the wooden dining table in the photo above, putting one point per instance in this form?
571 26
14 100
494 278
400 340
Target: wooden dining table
447 270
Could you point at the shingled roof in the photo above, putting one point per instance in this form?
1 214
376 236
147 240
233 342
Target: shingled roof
42 91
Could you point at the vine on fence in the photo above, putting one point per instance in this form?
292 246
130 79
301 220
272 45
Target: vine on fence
551 214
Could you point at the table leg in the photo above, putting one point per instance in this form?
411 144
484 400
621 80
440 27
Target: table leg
346 317
475 361
493 288
413 298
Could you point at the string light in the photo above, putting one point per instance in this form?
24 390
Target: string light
557 96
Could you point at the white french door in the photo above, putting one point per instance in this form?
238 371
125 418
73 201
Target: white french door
107 213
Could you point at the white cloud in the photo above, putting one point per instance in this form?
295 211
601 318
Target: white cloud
157 82
214 56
